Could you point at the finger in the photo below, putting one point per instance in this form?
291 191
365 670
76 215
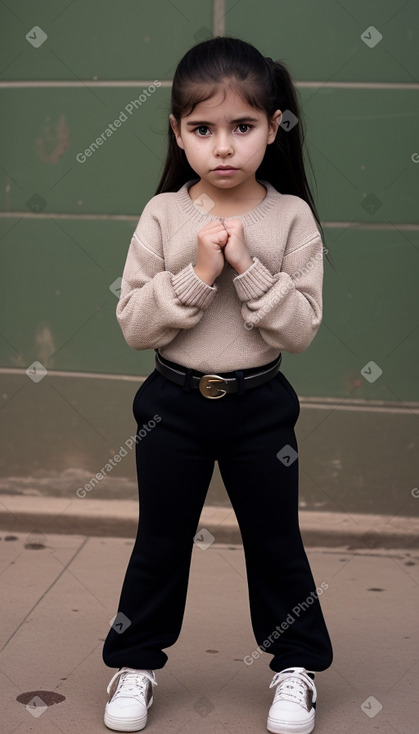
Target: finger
233 225
222 237
216 224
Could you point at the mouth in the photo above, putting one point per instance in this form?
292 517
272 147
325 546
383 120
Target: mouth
225 171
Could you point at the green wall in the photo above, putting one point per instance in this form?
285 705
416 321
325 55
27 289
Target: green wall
65 225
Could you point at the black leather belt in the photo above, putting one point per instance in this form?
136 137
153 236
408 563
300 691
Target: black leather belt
216 386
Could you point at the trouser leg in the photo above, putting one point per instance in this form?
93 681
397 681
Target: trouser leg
174 473
175 464
285 611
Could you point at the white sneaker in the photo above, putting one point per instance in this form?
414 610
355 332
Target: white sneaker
131 695
293 708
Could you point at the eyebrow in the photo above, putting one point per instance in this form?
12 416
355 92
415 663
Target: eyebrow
238 121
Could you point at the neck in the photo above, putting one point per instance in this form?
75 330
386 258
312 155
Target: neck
230 202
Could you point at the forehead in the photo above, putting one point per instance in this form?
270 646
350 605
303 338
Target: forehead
225 104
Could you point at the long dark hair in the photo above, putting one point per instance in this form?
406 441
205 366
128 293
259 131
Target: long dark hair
266 85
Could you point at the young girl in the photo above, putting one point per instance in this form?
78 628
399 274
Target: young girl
223 273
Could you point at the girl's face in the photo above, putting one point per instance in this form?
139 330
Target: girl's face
225 139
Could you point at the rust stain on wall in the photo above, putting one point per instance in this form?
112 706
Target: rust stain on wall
45 347
54 141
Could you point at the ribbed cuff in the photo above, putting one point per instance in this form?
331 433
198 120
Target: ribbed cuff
191 290
254 282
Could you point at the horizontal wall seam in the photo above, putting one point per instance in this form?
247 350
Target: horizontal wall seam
359 85
134 218
324 403
123 83
371 225
81 84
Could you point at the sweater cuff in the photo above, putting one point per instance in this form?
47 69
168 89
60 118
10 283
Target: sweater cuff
191 290
254 282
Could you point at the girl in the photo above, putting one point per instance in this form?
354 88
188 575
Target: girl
223 273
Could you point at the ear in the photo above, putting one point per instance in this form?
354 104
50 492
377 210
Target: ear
273 125
176 130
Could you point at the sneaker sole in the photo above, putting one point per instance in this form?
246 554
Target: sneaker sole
117 724
286 727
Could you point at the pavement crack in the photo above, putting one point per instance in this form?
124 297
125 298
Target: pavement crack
63 570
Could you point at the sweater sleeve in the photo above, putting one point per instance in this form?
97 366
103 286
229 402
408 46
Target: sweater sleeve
156 304
287 306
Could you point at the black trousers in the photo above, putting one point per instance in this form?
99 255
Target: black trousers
180 435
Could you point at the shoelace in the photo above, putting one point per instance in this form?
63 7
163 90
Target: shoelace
292 685
131 683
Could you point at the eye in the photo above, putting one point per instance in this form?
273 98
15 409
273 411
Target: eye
244 127
201 130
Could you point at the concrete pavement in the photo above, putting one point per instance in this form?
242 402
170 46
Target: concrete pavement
59 593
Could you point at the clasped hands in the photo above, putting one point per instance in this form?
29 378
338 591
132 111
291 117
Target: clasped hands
226 239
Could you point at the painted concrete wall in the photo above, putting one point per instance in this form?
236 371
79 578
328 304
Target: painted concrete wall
68 71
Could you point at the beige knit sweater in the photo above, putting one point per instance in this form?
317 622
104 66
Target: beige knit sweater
240 321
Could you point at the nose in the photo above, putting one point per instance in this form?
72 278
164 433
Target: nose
223 145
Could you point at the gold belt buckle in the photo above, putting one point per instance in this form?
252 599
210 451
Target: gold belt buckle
208 387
